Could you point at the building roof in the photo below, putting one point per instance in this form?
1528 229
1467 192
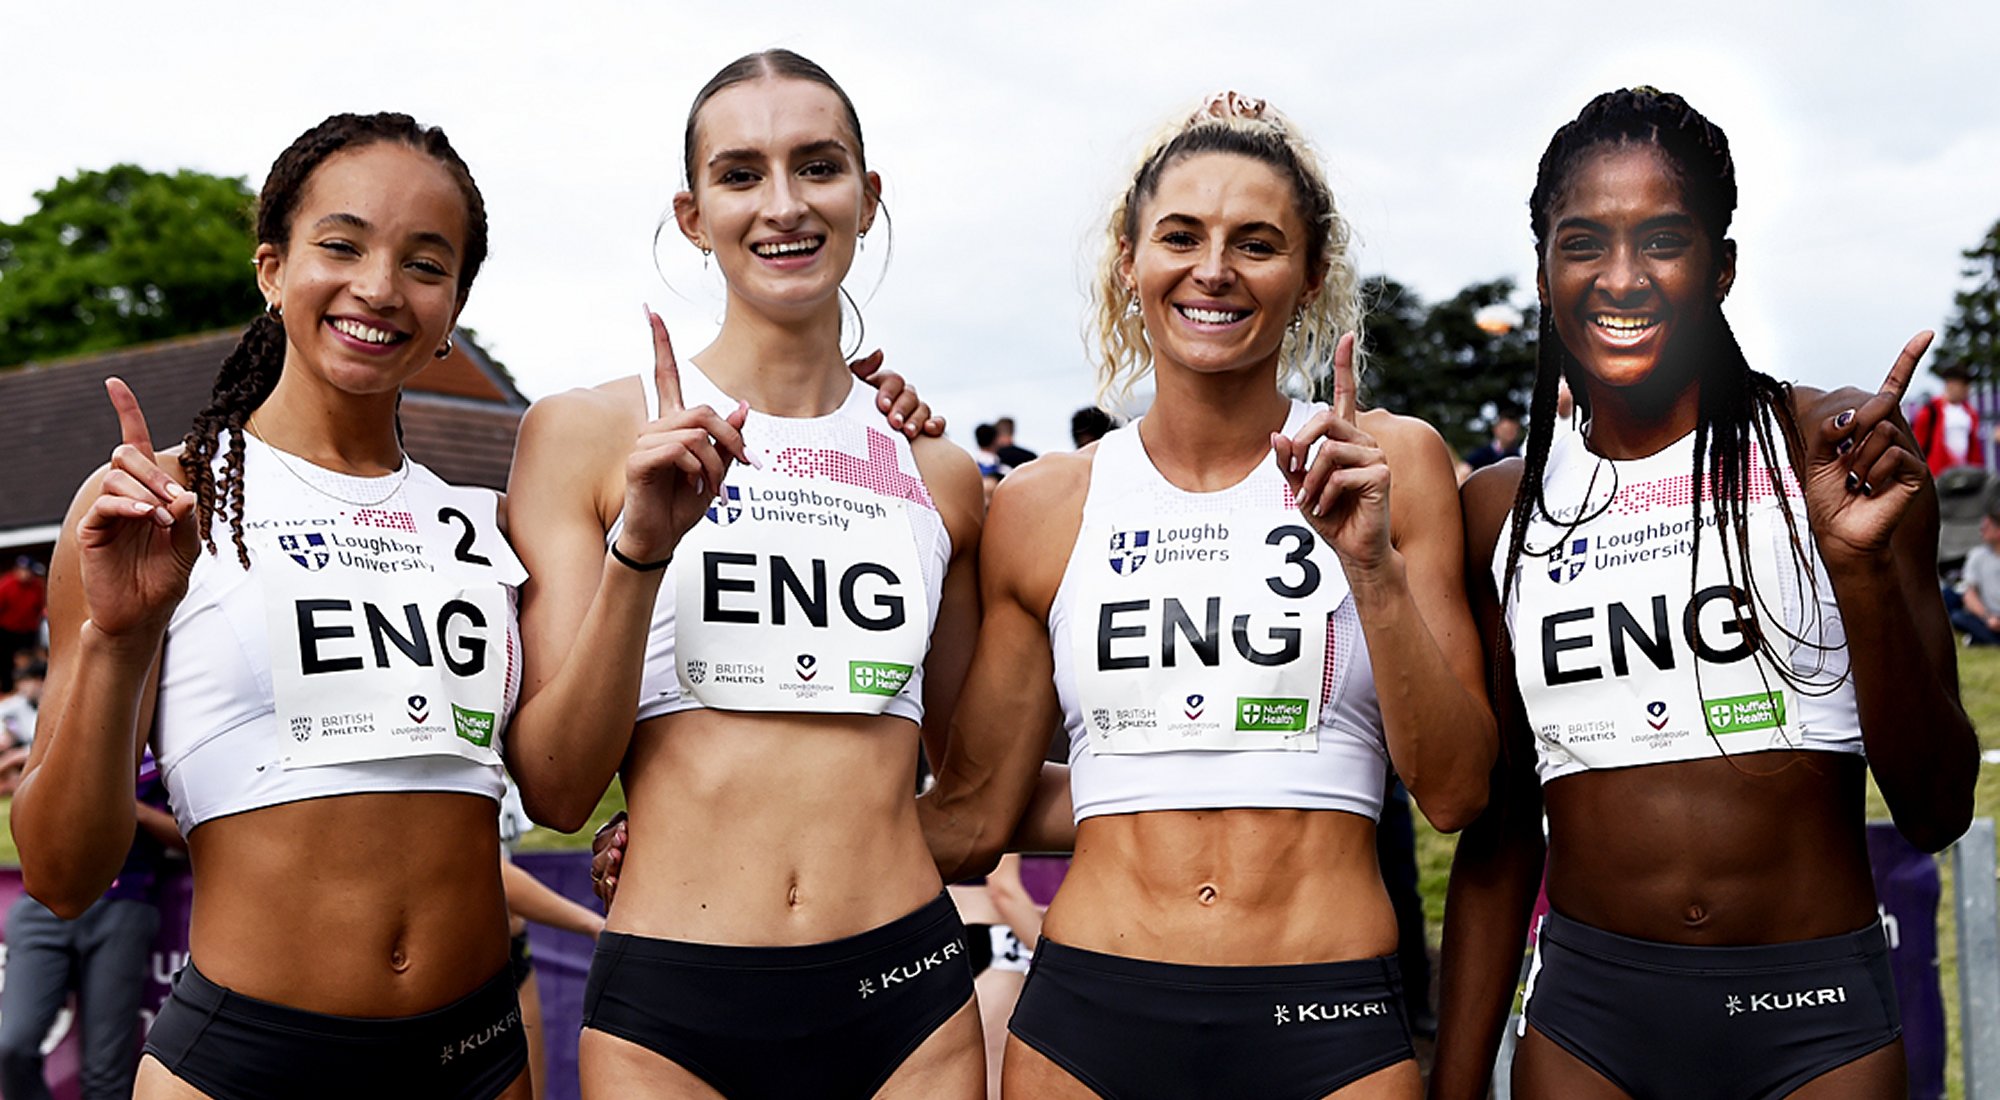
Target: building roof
56 426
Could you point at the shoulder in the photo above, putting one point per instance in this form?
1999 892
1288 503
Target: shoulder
952 479
1053 481
593 422
1419 458
1487 498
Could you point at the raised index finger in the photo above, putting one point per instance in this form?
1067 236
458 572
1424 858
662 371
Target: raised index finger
1343 378
1906 365
131 422
666 372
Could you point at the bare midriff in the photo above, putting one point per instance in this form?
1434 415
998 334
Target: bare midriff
1758 848
771 829
368 905
1240 887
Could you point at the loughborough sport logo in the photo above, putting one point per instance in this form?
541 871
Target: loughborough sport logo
1567 559
727 507
1128 551
309 550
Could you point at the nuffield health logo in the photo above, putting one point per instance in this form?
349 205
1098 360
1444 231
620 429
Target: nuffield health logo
1566 560
1128 551
308 550
727 507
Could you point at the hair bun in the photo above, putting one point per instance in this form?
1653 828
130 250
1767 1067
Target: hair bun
1229 104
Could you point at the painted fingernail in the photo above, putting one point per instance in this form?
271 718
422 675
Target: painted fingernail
163 517
1846 445
1867 490
1853 482
896 419
1844 419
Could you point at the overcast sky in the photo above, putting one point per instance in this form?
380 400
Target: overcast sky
1867 140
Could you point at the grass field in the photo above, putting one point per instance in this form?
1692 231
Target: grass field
1979 671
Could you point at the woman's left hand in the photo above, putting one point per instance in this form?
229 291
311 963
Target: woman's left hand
1343 489
1863 471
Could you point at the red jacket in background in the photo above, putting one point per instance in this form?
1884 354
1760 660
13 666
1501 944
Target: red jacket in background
21 603
1928 427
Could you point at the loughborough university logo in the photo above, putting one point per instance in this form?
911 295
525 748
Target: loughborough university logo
1567 559
727 507
1128 551
308 550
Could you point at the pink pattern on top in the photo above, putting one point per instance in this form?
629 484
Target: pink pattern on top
384 518
878 473
1678 491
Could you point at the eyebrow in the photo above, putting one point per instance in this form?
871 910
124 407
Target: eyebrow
811 148
1196 223
356 221
1664 221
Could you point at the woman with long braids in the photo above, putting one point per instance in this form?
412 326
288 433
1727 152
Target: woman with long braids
1714 610
1241 608
752 612
317 632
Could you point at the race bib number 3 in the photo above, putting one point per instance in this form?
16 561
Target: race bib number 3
1210 635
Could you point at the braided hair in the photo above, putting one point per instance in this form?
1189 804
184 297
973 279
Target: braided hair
1737 405
250 372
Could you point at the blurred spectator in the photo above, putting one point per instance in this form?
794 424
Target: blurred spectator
102 954
23 596
20 697
1012 457
1947 426
1978 613
1505 441
1089 425
986 435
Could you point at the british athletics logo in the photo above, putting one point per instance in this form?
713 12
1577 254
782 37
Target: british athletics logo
1128 551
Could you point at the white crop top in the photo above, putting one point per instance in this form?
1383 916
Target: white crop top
1207 655
813 581
1623 657
371 646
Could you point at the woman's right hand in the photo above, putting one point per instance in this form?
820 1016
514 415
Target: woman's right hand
137 542
677 463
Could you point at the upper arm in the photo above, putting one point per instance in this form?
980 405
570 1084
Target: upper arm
1009 709
561 495
1486 499
1428 533
952 479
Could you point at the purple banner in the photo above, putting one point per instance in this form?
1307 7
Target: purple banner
1906 883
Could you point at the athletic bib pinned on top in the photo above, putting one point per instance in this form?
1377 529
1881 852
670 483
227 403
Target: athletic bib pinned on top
1205 631
389 626
1625 655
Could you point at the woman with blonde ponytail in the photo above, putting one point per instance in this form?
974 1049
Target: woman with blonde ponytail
1243 608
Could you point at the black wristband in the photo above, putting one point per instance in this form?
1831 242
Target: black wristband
636 565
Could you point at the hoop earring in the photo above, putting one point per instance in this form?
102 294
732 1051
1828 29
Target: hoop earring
274 311
1131 302
444 349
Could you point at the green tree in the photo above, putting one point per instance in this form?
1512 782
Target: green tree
1972 336
1435 361
119 256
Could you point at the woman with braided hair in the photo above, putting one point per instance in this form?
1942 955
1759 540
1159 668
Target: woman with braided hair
1713 610
1241 608
316 634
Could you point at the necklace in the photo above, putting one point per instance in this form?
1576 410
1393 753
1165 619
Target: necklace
395 480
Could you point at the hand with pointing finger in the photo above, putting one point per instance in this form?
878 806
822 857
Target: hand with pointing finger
677 462
1863 470
1342 488
137 542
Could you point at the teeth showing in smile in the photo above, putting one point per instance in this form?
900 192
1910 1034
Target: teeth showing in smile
1212 316
788 248
1623 326
364 332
